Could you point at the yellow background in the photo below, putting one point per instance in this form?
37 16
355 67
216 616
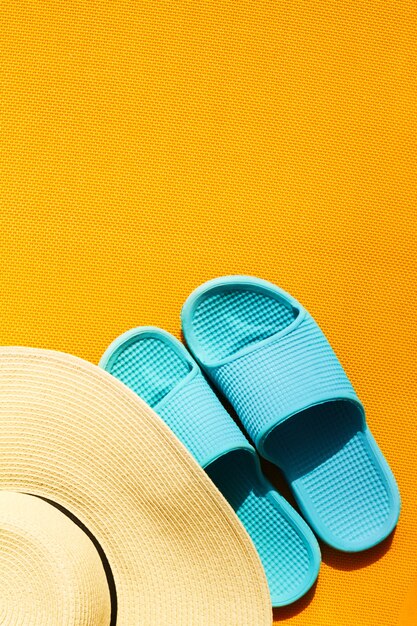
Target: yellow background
149 146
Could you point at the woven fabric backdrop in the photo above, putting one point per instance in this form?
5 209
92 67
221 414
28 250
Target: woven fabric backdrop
149 146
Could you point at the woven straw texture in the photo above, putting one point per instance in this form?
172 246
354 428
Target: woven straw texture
51 571
73 434
147 147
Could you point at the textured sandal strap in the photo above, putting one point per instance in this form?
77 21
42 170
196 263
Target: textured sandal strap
200 421
285 374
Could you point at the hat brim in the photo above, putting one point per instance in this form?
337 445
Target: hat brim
73 434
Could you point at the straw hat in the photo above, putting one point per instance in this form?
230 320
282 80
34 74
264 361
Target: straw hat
126 526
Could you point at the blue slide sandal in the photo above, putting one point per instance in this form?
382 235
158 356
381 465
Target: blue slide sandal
161 371
270 359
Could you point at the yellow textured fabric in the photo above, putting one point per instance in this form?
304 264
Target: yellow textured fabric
149 146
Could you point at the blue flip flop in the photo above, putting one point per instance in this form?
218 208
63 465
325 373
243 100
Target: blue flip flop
270 359
158 368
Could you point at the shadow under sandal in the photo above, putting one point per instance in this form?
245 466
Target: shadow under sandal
270 359
158 368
